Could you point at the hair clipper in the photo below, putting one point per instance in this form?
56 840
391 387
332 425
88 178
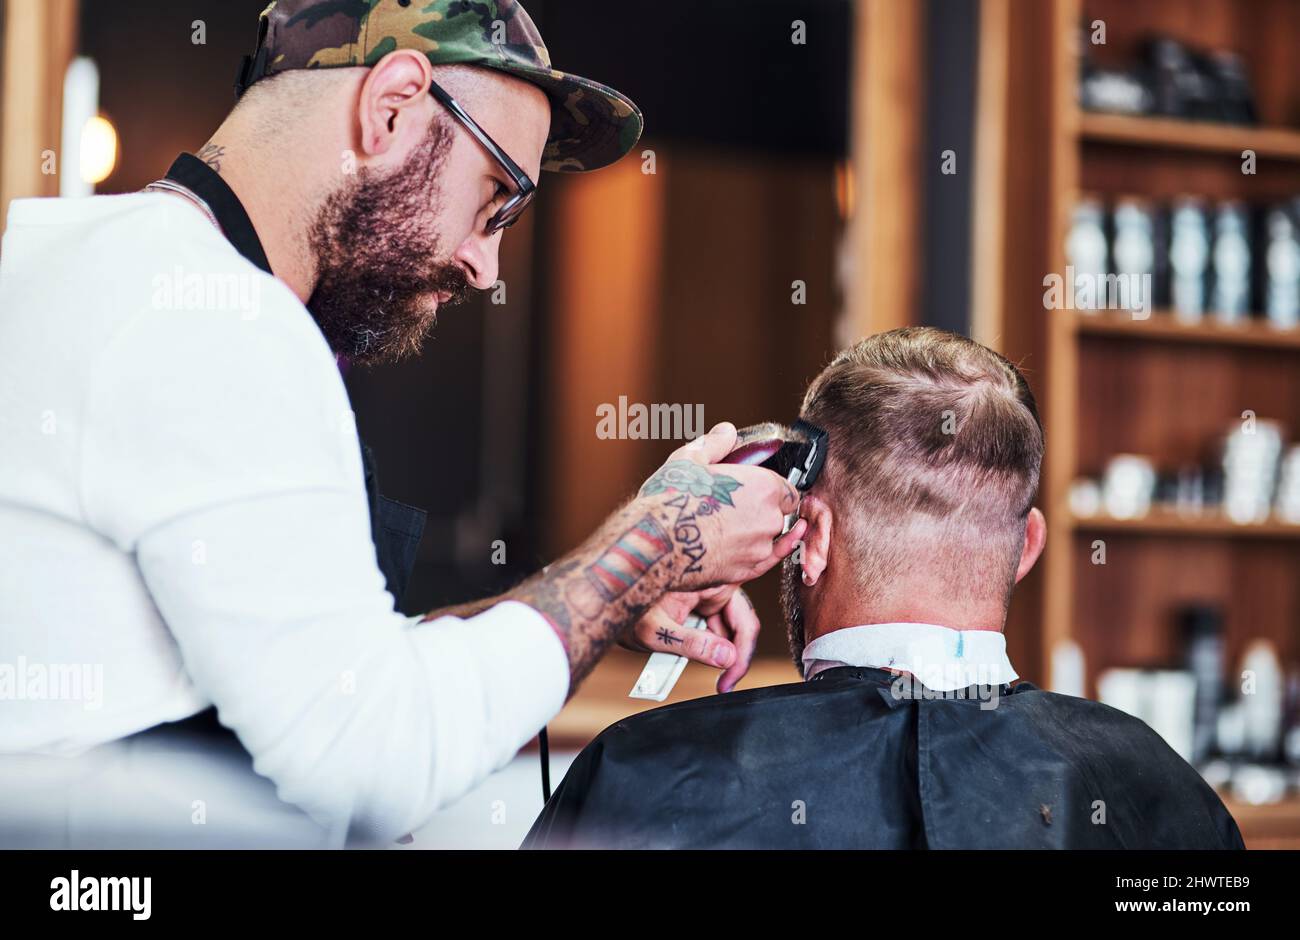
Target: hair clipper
797 453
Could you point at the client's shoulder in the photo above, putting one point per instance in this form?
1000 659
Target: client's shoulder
1096 727
673 776
793 706
1071 706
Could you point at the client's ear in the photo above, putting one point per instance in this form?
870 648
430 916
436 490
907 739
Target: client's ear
817 540
1035 536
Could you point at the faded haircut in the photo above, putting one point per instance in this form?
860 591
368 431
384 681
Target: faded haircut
933 464
285 96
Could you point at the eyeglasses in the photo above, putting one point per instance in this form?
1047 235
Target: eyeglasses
525 188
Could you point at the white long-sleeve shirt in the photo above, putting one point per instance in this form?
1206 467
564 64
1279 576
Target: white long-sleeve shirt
183 522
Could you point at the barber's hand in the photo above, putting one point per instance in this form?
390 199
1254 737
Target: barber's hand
727 644
724 520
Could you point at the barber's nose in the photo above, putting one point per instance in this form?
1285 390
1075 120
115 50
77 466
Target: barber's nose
478 254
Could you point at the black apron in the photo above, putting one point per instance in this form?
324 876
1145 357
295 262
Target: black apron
395 527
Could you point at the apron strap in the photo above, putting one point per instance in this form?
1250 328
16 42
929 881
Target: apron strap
396 529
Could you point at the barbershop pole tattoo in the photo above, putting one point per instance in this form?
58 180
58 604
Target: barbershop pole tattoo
608 584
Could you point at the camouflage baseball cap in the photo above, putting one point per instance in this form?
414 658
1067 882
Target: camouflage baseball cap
592 125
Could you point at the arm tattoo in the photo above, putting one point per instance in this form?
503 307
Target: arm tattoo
596 593
549 599
211 154
687 533
606 586
628 559
689 478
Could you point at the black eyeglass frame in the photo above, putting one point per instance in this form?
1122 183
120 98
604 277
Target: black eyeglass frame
525 188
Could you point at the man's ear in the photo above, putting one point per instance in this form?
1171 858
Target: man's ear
817 540
395 91
1035 537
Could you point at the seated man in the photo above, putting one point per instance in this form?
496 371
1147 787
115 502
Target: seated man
906 732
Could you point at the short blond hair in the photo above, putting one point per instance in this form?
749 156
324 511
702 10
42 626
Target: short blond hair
928 426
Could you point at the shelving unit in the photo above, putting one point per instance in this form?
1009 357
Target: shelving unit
1162 325
1160 386
1166 521
1275 143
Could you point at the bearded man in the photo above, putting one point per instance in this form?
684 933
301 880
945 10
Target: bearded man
187 517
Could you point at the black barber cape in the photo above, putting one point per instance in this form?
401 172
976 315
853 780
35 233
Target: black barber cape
854 759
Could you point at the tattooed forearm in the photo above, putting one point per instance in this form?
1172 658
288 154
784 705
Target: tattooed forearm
607 585
604 587
628 559
548 595
211 154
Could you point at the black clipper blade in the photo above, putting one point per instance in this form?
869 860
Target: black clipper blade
797 453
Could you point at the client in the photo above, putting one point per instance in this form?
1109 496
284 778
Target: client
907 731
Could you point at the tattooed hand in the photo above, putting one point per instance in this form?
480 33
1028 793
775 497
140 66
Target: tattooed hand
727 643
694 527
724 520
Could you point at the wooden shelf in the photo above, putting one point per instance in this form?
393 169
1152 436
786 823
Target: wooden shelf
1108 384
1165 326
1172 134
1165 521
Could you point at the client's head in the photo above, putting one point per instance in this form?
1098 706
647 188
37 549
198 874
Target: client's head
924 509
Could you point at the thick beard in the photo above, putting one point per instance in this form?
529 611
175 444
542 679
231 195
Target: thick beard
373 240
792 608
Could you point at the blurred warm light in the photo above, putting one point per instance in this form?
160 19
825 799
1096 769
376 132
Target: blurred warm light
844 193
98 149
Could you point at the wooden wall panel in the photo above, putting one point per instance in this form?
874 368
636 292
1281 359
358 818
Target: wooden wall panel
886 132
39 40
1021 154
606 234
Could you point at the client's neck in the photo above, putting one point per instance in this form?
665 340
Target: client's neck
828 610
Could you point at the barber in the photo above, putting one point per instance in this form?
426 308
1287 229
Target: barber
205 524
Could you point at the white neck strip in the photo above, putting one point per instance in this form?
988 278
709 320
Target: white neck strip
941 658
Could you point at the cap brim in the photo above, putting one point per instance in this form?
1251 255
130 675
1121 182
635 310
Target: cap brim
592 125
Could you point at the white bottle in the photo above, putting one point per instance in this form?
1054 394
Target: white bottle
1282 265
1189 252
1261 699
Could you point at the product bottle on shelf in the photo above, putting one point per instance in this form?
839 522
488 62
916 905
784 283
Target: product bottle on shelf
1085 251
1189 253
1261 699
1231 298
1282 267
1133 255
